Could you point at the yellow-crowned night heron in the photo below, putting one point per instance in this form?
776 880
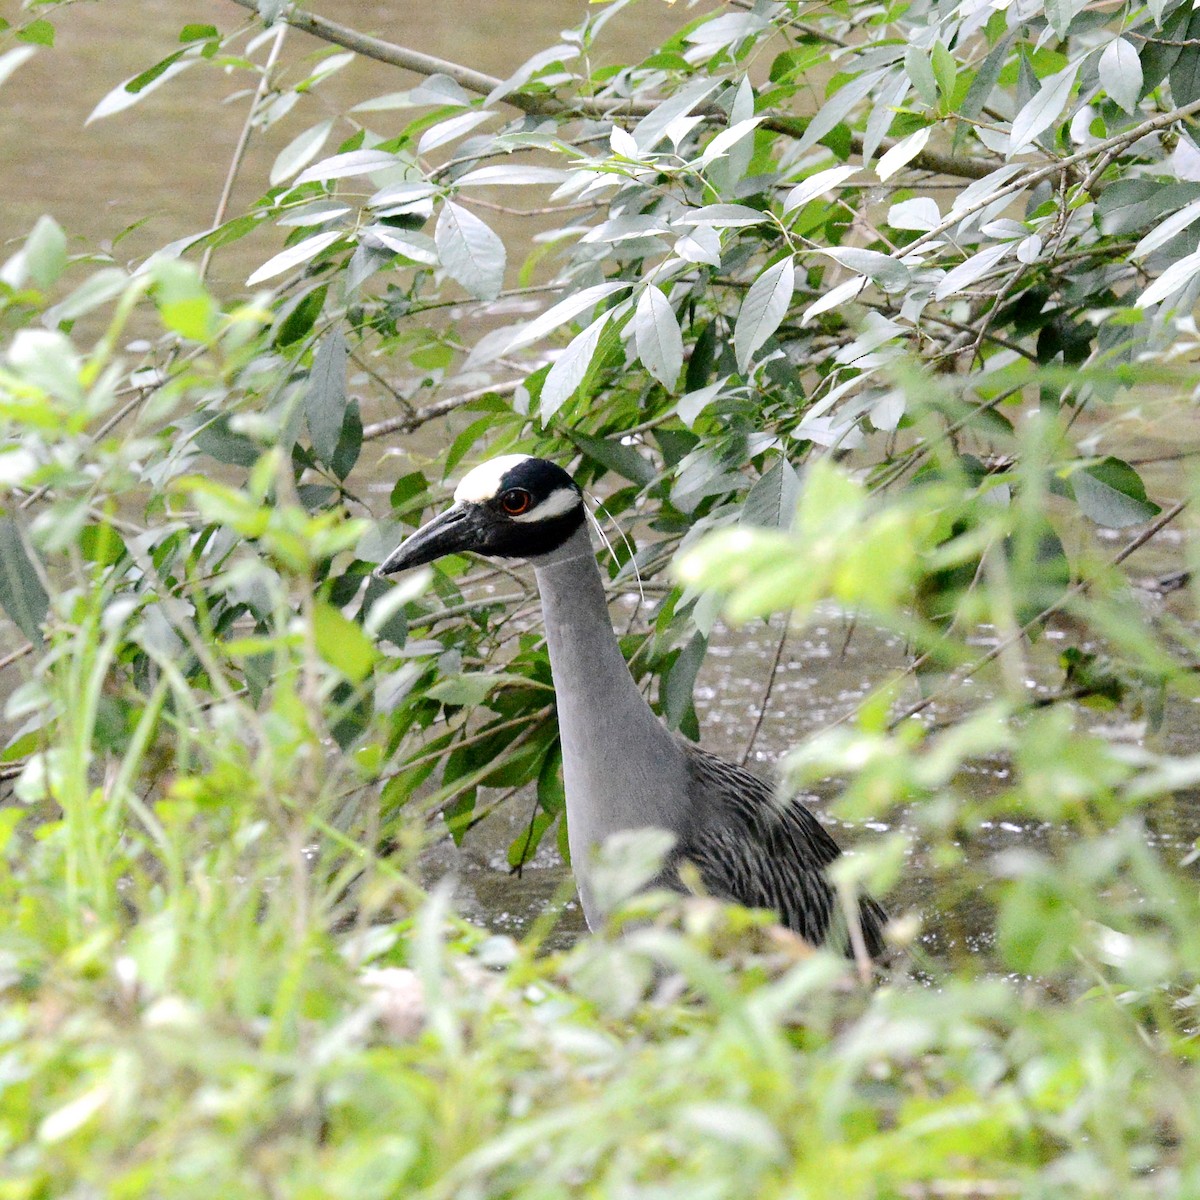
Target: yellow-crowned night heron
622 768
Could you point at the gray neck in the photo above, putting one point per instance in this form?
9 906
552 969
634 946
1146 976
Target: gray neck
595 689
621 768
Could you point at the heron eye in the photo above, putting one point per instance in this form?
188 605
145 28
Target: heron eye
516 501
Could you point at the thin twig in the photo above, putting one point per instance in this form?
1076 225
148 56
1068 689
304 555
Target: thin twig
239 151
766 696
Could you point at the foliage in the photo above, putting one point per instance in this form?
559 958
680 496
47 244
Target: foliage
865 306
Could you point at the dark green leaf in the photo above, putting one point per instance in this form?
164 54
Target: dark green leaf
1185 71
677 687
624 460
325 401
298 316
1112 494
349 444
218 441
21 592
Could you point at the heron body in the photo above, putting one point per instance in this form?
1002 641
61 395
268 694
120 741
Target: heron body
622 768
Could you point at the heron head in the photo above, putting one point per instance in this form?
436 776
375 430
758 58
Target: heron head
515 506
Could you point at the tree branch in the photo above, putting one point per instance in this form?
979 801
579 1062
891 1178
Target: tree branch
407 422
550 106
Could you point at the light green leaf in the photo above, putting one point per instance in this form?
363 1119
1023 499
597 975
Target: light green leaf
920 74
1041 110
559 314
1174 279
967 272
353 162
722 216
471 253
300 151
293 256
503 175
1121 73
763 310
342 643
129 93
570 368
657 337
1161 234
902 153
882 269
771 502
447 131
46 252
817 185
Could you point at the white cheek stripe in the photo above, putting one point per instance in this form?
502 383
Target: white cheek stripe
483 482
560 501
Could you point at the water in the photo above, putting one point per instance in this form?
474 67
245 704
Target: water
165 164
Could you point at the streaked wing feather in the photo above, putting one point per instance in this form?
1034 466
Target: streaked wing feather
767 854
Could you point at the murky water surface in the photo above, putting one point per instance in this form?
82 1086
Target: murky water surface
166 163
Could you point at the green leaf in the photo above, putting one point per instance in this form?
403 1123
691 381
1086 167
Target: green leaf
681 679
129 93
349 443
472 255
469 690
1128 205
46 252
299 315
101 544
293 256
570 369
342 643
1112 494
524 846
551 794
198 33
1185 72
37 33
300 151
763 310
21 593
920 74
987 77
624 460
1121 73
184 303
1042 109
771 502
657 337
352 162
946 70
325 401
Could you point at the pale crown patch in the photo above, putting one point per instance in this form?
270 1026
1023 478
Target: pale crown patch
483 482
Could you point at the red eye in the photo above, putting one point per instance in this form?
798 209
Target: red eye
516 501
